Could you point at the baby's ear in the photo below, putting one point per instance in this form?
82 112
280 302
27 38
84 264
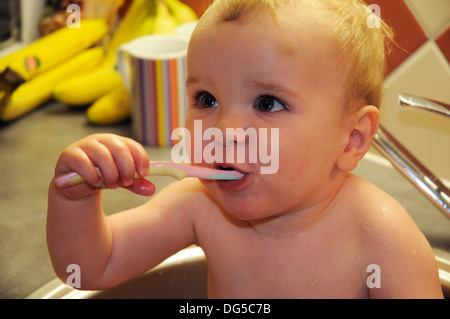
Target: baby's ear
361 132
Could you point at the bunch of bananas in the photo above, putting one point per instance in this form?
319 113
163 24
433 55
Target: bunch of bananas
28 75
90 77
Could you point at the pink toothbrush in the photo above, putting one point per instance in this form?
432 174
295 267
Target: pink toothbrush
178 171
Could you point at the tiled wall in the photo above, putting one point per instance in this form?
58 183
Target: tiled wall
420 67
423 29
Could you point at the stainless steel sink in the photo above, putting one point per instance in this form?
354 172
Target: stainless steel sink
181 276
444 271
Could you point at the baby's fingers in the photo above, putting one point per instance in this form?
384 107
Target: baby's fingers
142 187
103 161
75 159
130 158
140 157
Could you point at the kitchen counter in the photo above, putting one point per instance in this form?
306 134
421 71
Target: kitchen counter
29 149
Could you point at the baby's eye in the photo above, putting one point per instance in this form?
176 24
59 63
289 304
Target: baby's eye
268 103
205 100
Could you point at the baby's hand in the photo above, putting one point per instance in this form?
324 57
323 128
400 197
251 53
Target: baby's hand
118 159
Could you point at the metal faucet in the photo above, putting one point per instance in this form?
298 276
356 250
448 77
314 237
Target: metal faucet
431 186
422 103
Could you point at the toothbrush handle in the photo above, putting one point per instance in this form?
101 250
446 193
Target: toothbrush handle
178 171
71 179
157 169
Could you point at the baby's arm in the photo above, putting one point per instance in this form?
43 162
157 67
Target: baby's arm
109 250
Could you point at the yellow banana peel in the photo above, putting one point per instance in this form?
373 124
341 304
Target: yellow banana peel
165 22
131 25
181 11
55 48
103 86
112 108
38 90
84 89
160 17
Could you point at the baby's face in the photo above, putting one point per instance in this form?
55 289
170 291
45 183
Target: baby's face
256 75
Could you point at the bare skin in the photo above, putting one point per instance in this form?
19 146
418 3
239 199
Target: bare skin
308 231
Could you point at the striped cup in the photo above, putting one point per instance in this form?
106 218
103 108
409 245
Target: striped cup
153 69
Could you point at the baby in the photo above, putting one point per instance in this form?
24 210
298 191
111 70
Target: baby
313 69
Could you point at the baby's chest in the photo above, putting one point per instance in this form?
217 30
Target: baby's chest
283 273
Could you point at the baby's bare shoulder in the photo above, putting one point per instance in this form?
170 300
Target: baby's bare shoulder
391 240
377 213
376 210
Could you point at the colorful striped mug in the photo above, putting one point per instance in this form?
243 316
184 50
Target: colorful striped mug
153 69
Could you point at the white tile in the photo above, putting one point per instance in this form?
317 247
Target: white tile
433 15
426 73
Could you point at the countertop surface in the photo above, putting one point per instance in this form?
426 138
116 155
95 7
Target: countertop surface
29 149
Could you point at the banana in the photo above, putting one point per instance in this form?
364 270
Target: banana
85 89
115 106
131 25
164 21
51 50
149 24
103 86
181 11
112 108
34 92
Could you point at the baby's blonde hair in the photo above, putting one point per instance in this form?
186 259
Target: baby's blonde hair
350 27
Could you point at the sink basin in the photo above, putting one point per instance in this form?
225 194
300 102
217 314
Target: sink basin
444 271
184 274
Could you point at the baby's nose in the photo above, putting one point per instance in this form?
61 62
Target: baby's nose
233 129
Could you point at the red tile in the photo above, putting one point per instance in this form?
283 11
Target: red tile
409 35
443 41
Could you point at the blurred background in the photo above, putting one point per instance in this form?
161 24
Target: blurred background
420 66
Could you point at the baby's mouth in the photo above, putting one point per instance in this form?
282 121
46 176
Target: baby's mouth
242 172
233 185
228 167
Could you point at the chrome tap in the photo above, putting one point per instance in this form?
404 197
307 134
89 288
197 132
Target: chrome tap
431 186
425 104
